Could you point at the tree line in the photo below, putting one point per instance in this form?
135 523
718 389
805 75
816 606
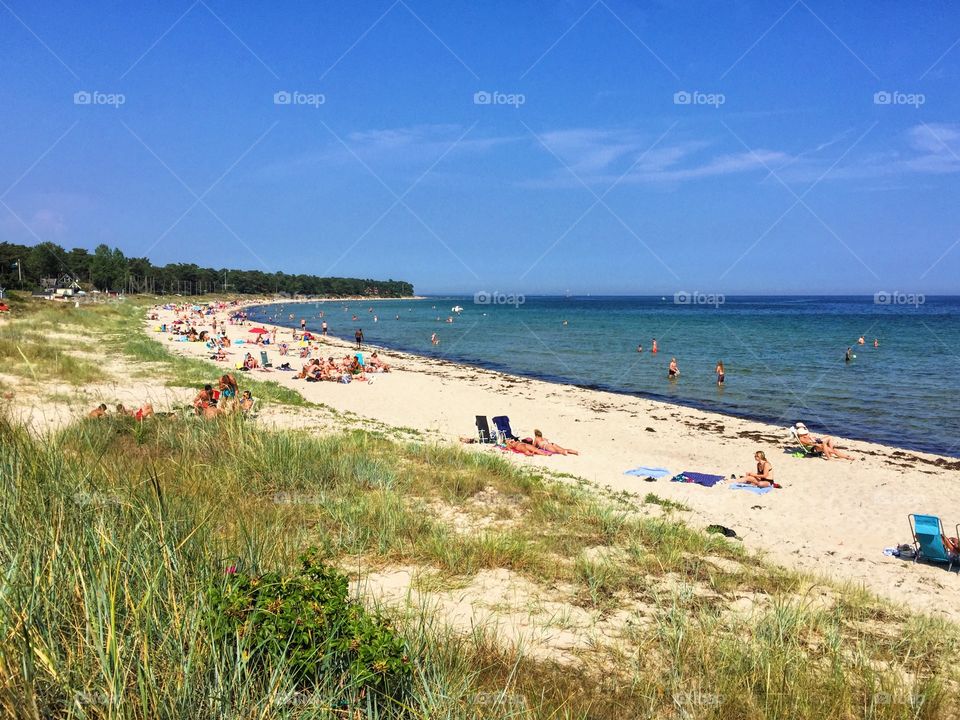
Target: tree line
107 269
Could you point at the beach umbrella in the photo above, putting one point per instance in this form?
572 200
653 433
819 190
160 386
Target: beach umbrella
260 331
308 336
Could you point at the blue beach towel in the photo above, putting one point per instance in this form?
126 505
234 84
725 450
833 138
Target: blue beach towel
752 488
698 478
644 471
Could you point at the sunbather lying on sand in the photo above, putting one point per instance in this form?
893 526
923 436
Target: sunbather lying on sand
524 448
822 446
539 441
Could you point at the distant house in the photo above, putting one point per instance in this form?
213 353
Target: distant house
65 285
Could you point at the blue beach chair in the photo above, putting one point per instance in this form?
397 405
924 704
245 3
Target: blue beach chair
503 427
928 538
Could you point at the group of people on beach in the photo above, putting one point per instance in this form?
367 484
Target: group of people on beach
824 447
143 412
348 369
225 399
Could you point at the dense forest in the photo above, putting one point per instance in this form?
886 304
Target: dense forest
106 269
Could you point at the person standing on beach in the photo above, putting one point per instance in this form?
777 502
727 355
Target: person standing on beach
358 335
721 375
673 371
653 349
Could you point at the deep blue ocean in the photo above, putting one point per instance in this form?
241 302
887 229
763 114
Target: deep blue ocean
784 356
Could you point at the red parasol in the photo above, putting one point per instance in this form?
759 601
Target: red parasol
260 331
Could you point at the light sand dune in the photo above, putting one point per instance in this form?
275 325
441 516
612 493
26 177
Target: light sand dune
831 517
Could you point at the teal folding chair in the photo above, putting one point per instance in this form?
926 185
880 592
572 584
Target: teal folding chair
928 538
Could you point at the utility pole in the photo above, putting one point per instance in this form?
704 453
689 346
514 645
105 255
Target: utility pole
19 272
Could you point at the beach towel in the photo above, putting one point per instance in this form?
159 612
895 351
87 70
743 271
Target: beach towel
698 478
644 471
752 488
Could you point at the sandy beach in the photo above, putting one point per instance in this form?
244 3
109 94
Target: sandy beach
832 518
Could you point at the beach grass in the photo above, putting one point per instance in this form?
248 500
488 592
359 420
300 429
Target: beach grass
53 341
112 531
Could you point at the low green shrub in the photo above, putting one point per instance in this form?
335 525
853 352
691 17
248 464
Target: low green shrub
307 623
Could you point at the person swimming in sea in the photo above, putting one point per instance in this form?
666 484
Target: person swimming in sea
848 356
640 348
876 342
861 341
721 375
653 348
673 371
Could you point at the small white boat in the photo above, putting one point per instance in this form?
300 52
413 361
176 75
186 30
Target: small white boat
456 309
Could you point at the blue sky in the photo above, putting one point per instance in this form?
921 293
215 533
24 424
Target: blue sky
620 147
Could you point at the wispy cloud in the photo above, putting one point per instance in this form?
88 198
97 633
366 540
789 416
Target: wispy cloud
605 156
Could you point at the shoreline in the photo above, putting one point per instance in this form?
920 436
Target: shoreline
952 453
831 518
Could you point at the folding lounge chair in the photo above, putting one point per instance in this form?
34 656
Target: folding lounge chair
483 430
264 360
807 449
928 538
503 427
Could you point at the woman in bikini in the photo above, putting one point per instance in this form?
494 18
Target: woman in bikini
539 441
524 448
763 477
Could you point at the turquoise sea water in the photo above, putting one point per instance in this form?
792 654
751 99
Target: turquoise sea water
784 356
